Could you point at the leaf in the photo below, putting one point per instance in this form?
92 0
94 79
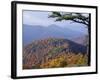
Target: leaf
57 13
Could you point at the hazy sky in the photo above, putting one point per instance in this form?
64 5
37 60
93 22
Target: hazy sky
41 18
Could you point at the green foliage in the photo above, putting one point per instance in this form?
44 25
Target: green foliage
55 40
55 14
75 17
55 50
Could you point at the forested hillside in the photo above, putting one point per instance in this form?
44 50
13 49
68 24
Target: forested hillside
54 52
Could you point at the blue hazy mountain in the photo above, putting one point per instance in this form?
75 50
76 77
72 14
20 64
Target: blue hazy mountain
36 32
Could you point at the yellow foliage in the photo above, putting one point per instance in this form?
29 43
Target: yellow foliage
65 60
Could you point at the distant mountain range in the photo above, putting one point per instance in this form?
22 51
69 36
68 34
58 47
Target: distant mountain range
37 32
41 51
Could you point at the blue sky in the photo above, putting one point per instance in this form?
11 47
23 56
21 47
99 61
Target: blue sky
41 18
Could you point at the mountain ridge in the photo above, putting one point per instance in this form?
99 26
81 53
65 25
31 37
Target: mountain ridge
39 52
37 32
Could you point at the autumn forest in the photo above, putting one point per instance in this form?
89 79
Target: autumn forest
55 40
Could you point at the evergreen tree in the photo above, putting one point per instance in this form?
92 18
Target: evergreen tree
74 17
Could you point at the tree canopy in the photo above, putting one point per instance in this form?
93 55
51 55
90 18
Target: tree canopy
75 17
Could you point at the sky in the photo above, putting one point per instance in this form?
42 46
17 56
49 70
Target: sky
41 18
